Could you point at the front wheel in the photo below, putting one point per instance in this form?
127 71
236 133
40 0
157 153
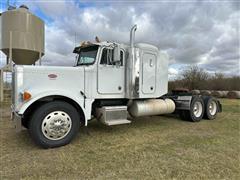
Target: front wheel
54 124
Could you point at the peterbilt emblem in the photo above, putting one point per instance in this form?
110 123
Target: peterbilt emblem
52 76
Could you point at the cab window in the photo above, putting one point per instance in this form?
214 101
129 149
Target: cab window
107 57
87 55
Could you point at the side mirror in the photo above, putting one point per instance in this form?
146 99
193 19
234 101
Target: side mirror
116 53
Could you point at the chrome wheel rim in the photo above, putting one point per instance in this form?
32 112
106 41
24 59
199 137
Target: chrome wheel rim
212 108
197 109
56 125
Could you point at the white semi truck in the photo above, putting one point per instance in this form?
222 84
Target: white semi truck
109 82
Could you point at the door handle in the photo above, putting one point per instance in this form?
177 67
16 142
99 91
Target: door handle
151 63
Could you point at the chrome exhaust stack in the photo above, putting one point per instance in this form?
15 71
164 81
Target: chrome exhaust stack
132 35
132 84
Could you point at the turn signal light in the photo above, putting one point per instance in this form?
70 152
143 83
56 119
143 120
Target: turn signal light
26 96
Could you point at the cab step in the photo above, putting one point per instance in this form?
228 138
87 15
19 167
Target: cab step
112 115
117 122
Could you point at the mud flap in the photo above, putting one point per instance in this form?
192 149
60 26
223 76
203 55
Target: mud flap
17 121
219 106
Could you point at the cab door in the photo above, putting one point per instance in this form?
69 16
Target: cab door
111 77
149 67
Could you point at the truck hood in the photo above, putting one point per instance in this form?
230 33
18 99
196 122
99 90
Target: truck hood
44 79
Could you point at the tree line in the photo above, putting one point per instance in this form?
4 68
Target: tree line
194 77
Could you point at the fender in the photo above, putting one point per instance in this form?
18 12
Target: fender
75 97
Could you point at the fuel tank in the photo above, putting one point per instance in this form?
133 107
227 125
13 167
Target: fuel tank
151 107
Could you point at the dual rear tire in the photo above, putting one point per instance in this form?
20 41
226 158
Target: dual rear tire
212 107
201 107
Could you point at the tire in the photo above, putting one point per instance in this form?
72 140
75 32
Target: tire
196 112
25 122
54 124
211 107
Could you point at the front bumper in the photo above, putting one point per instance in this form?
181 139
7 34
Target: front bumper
17 121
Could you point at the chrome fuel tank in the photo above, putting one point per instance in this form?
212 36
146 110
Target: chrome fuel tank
151 107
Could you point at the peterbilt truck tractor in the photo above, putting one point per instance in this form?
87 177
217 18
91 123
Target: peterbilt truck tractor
110 82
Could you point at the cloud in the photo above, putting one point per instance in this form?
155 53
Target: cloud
194 32
172 73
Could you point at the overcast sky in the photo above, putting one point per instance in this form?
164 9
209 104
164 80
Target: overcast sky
204 33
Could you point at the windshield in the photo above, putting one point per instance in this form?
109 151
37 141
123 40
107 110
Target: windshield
87 55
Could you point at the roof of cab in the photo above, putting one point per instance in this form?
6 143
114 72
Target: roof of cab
102 43
88 44
107 43
146 46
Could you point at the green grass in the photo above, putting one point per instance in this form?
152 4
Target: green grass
157 147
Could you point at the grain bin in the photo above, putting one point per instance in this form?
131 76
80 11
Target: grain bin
22 36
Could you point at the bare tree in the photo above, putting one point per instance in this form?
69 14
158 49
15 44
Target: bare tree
194 77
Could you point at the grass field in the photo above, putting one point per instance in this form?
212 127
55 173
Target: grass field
156 147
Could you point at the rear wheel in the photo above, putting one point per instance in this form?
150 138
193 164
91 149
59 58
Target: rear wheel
54 124
196 112
211 108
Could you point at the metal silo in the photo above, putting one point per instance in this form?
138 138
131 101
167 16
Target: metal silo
22 36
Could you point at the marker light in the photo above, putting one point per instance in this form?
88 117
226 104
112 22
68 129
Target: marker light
26 95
